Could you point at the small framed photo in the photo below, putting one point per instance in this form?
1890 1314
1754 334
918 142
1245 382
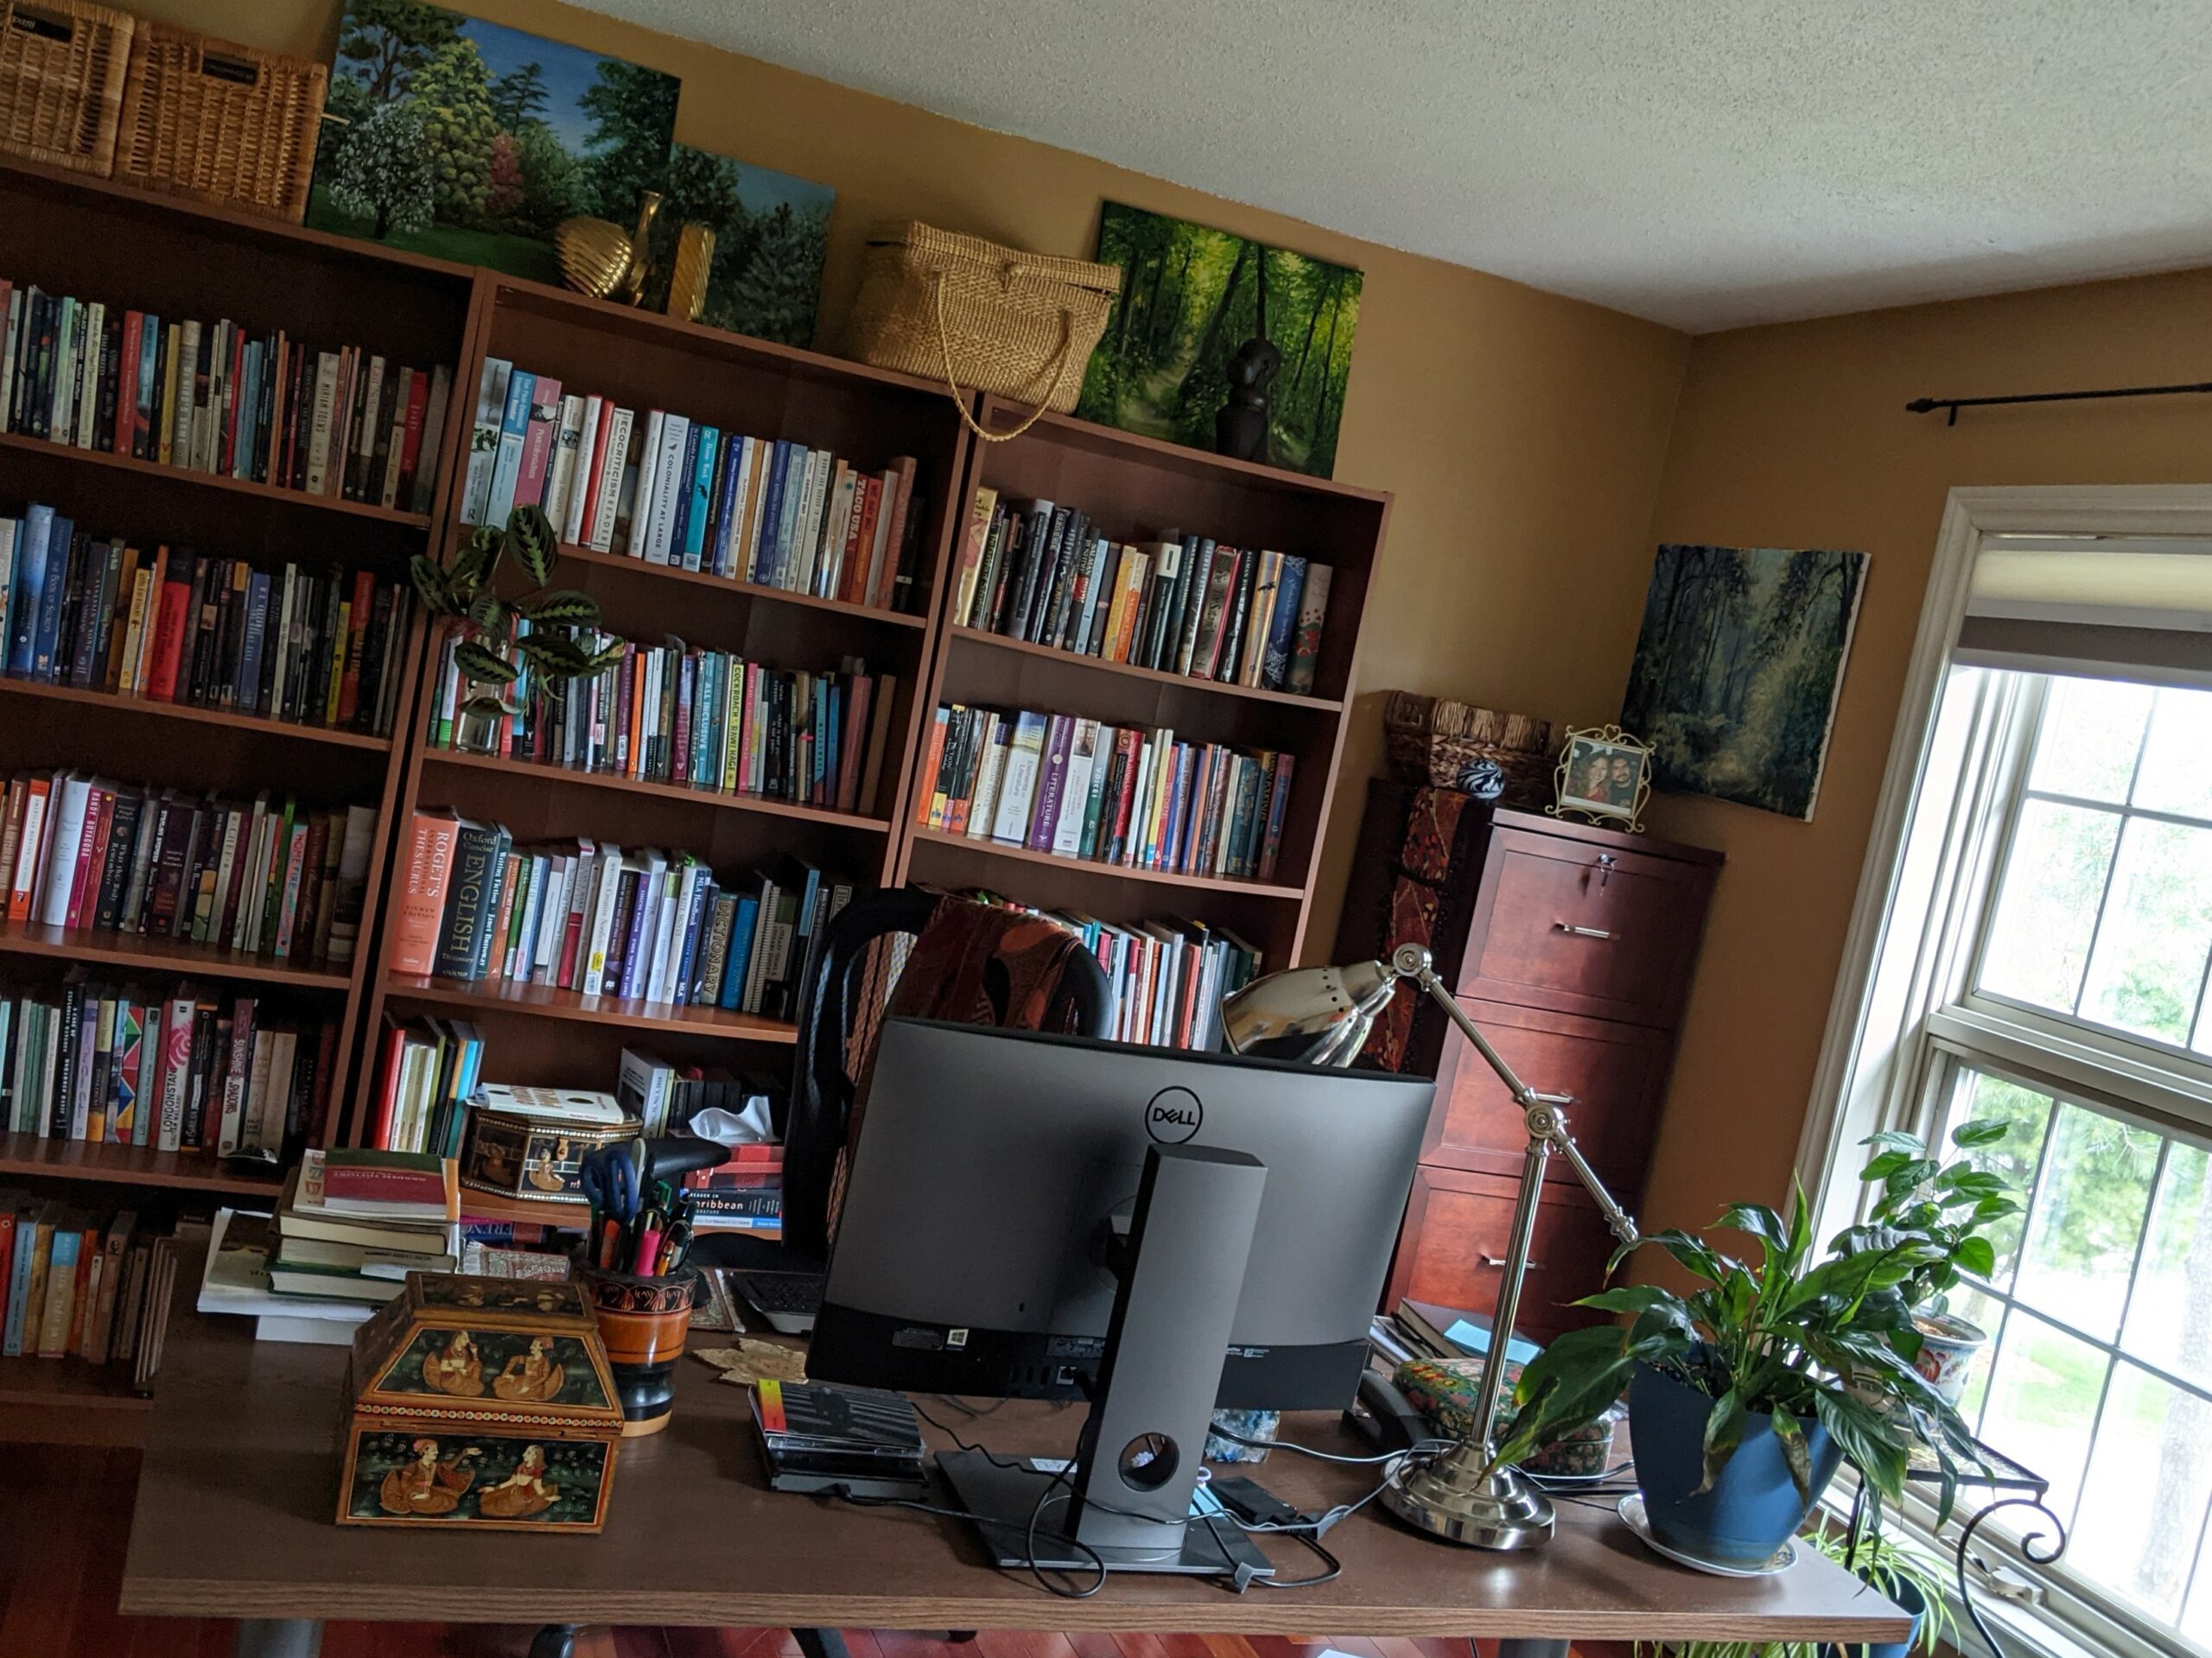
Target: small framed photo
1605 777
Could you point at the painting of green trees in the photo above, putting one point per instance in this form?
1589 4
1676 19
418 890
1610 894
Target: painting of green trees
1737 669
449 136
1189 297
771 232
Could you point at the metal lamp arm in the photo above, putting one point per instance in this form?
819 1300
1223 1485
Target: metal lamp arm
1541 1114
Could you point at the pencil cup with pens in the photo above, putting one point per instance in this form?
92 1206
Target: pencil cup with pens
633 1273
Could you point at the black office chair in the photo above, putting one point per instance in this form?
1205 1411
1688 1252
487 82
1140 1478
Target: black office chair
840 1002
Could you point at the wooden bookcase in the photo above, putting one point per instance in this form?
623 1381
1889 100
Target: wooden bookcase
1135 488
109 242
644 361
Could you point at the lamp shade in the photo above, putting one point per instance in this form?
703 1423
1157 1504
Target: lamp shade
1312 1015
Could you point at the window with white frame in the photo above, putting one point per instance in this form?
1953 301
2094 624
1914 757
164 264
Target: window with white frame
2075 1007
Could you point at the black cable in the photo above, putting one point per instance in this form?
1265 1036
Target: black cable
1336 1569
846 1494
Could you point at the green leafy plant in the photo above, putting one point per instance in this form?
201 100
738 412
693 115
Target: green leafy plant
1799 1338
1886 1568
561 620
1949 1208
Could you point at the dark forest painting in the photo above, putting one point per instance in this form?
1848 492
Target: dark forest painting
771 232
1737 669
1189 297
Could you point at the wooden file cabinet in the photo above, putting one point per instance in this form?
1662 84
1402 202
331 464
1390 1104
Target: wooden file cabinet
1573 947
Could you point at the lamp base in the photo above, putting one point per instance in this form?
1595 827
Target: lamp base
1452 1499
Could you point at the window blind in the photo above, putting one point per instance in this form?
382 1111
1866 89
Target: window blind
2137 610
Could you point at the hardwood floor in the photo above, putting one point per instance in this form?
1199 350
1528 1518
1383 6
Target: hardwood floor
68 1512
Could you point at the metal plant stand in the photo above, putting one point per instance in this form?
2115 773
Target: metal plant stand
2011 1485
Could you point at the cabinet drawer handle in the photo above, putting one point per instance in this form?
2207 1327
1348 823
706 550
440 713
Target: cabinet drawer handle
1499 1261
1568 927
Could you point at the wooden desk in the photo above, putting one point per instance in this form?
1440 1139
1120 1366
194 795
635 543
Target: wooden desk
239 1482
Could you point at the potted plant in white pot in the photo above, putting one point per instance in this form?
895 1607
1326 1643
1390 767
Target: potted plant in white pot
1950 1207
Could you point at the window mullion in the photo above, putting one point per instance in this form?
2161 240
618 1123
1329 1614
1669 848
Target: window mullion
2112 869
2142 1235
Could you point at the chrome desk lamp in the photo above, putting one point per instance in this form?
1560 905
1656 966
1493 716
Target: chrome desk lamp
1321 1016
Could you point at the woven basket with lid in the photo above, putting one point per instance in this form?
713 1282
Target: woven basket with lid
978 316
1438 742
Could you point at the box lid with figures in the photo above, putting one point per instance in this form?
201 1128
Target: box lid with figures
480 1402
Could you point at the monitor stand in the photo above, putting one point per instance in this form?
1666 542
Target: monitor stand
1126 1501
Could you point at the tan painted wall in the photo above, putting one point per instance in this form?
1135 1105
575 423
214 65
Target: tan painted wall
1796 436
1523 434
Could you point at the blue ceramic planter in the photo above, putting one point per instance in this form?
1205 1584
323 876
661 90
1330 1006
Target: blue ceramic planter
1908 1598
1753 1508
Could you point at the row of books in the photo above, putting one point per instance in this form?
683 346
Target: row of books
1184 604
212 397
267 876
1079 788
428 1068
590 917
703 718
320 649
195 1067
1167 977
78 1286
678 491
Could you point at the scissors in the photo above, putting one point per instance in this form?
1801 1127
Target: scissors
614 1179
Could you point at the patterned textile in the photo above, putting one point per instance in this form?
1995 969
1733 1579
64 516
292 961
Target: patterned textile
973 965
1432 847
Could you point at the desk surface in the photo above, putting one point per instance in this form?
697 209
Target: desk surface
239 1482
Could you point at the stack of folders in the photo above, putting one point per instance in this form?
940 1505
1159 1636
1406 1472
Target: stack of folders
815 1437
1422 1329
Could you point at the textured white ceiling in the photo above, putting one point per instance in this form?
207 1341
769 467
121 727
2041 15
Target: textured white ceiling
1703 162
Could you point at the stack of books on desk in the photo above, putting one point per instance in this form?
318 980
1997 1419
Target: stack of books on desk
352 1224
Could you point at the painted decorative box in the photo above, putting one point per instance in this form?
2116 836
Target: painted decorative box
482 1402
531 1142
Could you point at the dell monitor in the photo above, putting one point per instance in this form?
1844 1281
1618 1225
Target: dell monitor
1157 1232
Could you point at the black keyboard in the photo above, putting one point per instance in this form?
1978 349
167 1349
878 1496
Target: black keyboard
783 1292
788 1301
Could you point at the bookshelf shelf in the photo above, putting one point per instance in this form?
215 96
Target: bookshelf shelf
69 1383
188 479
642 362
129 1166
544 1002
1138 489
1114 870
162 955
282 730
981 638
699 579
760 804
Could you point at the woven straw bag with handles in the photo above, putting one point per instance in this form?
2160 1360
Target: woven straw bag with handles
979 317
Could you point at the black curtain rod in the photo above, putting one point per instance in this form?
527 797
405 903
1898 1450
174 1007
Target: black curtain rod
1930 405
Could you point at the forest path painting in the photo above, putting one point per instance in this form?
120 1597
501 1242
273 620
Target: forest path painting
1737 667
1189 297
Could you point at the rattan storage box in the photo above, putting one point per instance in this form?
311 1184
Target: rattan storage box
220 123
61 72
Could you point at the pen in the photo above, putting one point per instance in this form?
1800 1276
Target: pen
649 1235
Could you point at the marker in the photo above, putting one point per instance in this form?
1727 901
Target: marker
649 1235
